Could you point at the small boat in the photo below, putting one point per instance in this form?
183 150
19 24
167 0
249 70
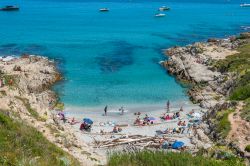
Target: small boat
164 8
104 10
10 8
160 15
245 5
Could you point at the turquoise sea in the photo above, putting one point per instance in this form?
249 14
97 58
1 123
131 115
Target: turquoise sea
112 57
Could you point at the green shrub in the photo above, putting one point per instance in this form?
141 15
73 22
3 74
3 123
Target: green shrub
161 158
247 148
241 93
23 145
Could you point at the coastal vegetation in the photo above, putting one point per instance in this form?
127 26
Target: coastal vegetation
148 158
247 148
240 65
21 144
222 123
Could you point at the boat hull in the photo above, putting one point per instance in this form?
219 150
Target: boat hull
10 9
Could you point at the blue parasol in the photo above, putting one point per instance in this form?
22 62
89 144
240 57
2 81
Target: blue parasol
177 144
87 120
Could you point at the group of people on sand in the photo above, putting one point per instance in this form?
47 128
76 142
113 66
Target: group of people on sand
71 121
177 130
144 121
167 116
171 116
116 129
85 126
180 123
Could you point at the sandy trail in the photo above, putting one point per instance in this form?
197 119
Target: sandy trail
240 129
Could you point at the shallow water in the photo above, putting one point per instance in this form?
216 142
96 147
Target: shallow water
112 57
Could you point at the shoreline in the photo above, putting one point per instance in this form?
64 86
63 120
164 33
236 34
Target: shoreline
70 109
36 75
27 92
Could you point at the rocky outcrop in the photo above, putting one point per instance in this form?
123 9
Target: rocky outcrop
193 63
210 88
25 92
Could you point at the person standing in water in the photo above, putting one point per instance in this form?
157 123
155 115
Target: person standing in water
105 110
181 109
122 110
168 104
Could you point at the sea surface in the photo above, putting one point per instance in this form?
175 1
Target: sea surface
113 57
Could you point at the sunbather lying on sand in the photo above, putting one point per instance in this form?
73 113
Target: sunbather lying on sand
180 123
73 121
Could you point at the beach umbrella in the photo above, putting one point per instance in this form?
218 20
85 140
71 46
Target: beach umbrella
177 144
87 120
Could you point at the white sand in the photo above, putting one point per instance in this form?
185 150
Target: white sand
96 114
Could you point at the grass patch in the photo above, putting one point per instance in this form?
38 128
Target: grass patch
23 145
28 107
59 106
222 123
239 62
242 89
158 158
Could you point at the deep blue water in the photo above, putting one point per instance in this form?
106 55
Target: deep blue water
112 58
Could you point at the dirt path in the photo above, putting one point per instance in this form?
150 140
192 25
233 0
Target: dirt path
240 129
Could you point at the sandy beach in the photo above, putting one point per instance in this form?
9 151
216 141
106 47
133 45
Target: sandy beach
114 117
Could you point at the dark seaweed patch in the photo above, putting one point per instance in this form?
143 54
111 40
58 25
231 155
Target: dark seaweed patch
11 45
9 49
121 56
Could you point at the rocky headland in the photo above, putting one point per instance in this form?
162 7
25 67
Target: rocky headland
213 83
25 92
